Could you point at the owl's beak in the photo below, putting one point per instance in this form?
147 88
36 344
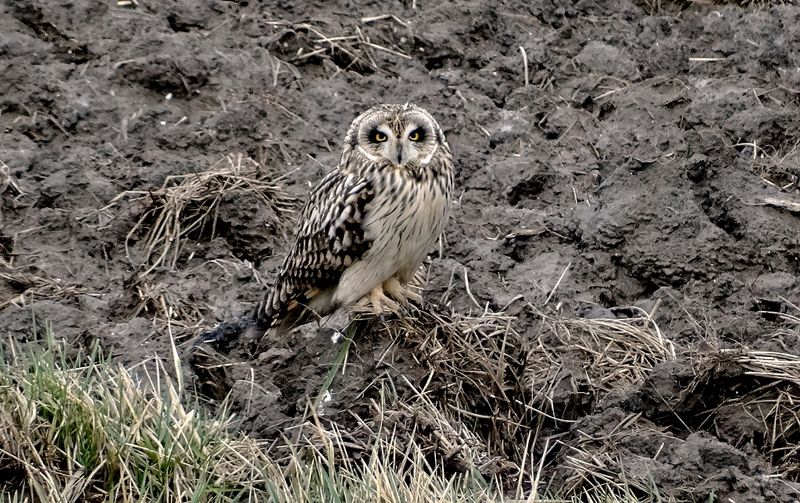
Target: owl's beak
400 159
395 155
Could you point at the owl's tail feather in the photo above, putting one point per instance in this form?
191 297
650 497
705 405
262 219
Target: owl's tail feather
293 318
307 306
257 327
229 331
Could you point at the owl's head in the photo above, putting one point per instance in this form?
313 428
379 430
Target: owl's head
401 135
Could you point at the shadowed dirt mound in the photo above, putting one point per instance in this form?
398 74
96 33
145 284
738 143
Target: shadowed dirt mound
633 162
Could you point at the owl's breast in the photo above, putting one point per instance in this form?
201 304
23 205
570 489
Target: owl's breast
405 219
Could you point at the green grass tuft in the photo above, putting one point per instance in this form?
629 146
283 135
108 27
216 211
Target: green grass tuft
78 427
85 429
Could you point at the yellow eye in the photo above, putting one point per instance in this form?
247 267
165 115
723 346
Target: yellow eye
415 135
379 137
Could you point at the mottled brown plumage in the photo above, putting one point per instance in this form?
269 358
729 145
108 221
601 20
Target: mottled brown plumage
329 240
369 223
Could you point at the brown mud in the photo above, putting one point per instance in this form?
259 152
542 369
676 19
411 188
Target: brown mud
649 162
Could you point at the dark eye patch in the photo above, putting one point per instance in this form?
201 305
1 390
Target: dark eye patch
375 136
417 134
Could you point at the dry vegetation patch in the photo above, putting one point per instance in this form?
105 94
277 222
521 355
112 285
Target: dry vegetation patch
779 170
589 357
494 399
524 412
353 50
765 386
23 287
75 429
186 206
157 301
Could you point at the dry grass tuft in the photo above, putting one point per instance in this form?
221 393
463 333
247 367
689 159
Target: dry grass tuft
34 287
770 365
575 362
347 52
164 307
752 397
188 205
477 368
595 463
612 353
780 171
777 406
443 435
775 401
496 391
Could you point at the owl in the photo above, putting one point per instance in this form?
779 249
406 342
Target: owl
368 224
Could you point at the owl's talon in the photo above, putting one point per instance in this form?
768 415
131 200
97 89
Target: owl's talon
377 303
414 297
403 294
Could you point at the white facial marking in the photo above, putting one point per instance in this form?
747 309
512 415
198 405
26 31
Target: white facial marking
373 158
428 158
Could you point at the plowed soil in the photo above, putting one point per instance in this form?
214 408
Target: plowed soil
611 156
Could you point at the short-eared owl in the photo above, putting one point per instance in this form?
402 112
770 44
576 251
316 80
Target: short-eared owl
368 224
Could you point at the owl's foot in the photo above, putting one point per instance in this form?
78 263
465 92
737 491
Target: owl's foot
377 302
402 293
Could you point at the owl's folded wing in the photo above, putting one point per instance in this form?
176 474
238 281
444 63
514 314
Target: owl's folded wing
329 239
